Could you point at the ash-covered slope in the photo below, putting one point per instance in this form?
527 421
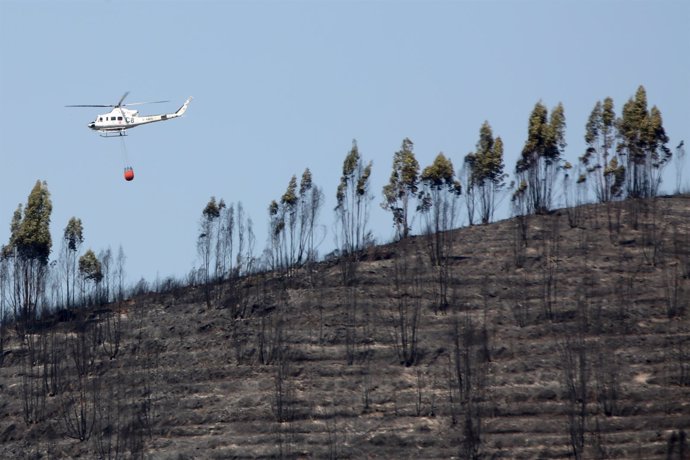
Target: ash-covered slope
537 337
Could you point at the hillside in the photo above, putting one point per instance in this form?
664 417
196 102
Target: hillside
540 337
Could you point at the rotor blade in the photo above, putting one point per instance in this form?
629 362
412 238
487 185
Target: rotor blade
142 103
89 105
119 104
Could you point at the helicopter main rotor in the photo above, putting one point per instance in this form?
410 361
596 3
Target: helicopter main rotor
119 104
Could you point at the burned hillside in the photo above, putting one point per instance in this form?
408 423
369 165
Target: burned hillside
546 336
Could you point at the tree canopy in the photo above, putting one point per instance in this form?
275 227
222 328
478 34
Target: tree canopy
30 228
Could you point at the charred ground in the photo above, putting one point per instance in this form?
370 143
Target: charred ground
550 336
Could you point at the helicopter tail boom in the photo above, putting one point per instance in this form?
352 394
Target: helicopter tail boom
136 121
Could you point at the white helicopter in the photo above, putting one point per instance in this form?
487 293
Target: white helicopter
120 119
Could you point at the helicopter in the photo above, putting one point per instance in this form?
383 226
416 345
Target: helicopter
120 118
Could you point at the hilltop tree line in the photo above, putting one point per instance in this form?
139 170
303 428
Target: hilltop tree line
624 158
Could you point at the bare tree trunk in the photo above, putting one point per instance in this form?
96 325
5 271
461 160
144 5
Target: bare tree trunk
575 369
407 316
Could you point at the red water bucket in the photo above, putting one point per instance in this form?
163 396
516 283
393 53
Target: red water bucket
129 173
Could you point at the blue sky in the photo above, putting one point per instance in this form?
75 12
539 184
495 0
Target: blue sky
281 86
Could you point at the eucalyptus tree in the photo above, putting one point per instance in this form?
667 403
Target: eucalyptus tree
292 220
642 142
276 225
486 172
402 187
600 161
470 196
91 270
4 288
28 250
539 164
106 258
289 204
439 201
207 235
283 227
352 215
72 239
224 240
439 206
310 200
353 198
680 162
120 273
245 242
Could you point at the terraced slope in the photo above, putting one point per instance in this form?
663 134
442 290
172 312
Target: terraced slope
542 337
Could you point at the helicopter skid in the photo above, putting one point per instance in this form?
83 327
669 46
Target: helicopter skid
113 134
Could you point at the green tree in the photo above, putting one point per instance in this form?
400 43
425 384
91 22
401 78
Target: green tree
276 223
224 241
292 221
290 206
72 239
29 249
486 174
402 187
90 269
353 198
601 163
33 239
207 235
642 142
439 202
310 197
539 164
283 227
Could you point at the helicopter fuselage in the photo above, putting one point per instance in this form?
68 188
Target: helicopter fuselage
119 119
